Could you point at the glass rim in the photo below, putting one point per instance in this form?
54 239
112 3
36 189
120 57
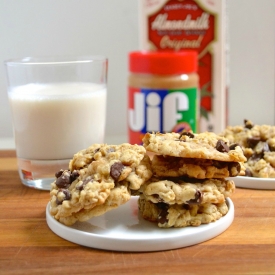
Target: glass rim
55 60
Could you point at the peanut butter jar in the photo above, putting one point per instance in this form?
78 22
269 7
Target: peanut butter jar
163 94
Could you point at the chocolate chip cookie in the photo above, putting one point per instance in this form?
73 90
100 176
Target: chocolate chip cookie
181 215
189 186
188 145
187 190
204 155
167 166
258 145
178 202
99 179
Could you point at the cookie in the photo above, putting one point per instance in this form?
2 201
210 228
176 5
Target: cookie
188 191
188 145
167 166
128 154
261 167
117 196
115 162
181 215
258 145
99 178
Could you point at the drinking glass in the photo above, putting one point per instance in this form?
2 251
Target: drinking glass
58 107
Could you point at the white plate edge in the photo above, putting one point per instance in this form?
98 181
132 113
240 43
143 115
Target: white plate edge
203 233
254 183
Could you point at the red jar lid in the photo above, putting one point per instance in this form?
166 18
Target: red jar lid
163 63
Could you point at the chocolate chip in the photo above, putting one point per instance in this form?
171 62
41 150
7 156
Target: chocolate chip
233 146
84 183
248 124
248 173
262 147
162 217
220 164
253 141
234 169
221 146
197 199
59 173
157 197
271 147
74 175
184 133
80 187
186 206
116 170
96 150
162 205
64 180
259 151
66 195
256 156
190 180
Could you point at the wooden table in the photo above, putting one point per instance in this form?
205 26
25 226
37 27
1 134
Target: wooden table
28 246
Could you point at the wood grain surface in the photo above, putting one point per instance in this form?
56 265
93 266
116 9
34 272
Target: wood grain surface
28 246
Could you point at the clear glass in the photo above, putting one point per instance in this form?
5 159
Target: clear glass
58 107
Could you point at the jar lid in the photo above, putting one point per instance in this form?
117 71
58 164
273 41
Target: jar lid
163 63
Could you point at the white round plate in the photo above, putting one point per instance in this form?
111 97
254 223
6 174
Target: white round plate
123 230
254 183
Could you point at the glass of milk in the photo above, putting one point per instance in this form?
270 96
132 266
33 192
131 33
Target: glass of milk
58 107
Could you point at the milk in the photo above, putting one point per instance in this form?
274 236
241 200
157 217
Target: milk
54 121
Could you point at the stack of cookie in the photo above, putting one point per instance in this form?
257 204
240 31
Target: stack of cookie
100 178
189 185
258 144
183 185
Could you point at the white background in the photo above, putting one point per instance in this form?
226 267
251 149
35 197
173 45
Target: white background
110 28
